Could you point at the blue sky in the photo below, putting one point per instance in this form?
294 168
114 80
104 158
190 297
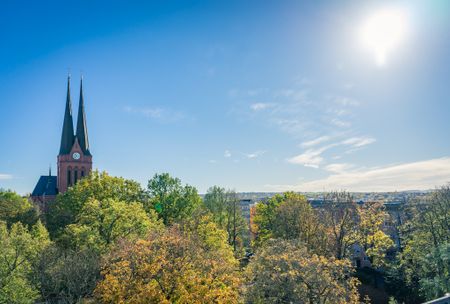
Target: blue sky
249 95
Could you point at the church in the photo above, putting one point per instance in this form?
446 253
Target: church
74 160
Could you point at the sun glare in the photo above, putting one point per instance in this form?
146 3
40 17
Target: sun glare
383 32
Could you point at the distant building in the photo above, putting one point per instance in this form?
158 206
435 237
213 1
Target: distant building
74 159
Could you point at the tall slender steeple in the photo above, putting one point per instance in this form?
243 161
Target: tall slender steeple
67 136
82 134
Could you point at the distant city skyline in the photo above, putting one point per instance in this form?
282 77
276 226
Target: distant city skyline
253 96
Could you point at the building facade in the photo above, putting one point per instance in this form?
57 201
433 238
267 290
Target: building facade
74 160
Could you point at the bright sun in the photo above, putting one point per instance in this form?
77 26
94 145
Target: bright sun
383 32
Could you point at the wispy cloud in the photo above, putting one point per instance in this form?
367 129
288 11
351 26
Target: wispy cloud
260 106
338 167
254 154
315 141
227 154
358 141
160 114
299 109
313 157
340 123
418 175
5 176
345 101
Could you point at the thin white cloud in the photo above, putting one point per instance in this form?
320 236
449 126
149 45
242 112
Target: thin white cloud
338 167
311 157
5 176
420 175
340 123
345 101
212 161
156 113
254 154
293 94
357 142
315 142
227 154
260 106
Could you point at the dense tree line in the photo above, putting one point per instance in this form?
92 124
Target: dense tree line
109 240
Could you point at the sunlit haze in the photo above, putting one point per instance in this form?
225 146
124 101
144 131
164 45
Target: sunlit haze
384 31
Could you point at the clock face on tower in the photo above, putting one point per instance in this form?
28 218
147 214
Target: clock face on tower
76 156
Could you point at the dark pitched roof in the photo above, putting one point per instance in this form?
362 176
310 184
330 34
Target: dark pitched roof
82 134
67 137
45 186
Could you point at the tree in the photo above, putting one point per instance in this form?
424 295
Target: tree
216 201
285 272
371 236
100 224
14 208
296 219
172 201
171 267
290 216
19 248
265 216
227 213
66 275
423 263
96 185
340 216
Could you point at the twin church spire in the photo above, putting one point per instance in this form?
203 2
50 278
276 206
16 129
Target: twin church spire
68 136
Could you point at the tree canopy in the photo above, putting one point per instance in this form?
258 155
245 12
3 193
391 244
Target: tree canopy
19 249
171 200
172 267
285 272
100 186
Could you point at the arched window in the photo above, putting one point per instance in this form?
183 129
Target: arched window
82 172
75 175
69 177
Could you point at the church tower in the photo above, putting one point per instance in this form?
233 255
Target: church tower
74 158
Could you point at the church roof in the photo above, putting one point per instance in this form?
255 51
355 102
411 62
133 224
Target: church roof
46 185
82 134
67 136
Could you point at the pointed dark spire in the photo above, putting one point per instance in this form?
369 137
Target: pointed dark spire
82 134
67 136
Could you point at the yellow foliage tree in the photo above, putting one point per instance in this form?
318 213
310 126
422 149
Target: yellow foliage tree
174 266
285 272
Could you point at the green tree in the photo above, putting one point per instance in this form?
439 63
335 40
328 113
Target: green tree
296 219
171 200
423 263
421 270
19 248
14 208
96 185
216 201
100 224
65 275
285 272
265 216
370 232
227 213
290 216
